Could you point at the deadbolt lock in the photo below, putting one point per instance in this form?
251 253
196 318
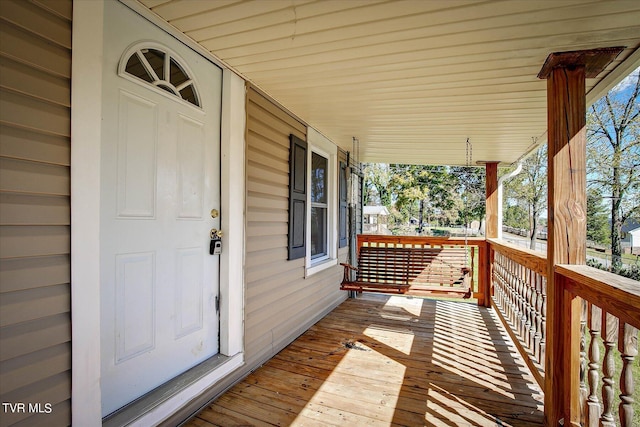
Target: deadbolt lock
214 213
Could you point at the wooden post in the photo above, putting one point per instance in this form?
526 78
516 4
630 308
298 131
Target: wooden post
484 277
491 226
566 240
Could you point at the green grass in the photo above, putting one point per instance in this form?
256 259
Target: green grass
626 258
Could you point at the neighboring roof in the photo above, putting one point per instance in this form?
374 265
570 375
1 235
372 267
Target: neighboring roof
630 225
376 210
411 79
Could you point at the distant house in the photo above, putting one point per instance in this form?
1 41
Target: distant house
630 237
375 220
634 240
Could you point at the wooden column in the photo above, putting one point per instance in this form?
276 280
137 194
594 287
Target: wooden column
566 240
491 227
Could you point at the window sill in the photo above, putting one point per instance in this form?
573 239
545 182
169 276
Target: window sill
320 266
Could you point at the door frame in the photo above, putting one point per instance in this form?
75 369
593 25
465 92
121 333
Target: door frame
86 117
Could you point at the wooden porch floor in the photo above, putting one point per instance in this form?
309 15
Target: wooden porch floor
389 360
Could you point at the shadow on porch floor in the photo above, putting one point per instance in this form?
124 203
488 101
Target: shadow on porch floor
389 360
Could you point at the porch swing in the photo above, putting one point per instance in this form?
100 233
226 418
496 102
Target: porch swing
412 265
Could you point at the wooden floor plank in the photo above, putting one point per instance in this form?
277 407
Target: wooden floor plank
389 361
419 383
442 362
490 364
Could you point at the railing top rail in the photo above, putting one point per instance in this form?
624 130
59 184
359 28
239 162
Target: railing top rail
420 240
617 295
533 260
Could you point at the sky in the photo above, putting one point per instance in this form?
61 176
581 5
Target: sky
627 82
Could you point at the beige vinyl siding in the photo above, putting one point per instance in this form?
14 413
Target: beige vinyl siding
280 302
35 326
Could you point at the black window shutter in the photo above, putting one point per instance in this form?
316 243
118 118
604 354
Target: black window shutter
297 247
342 214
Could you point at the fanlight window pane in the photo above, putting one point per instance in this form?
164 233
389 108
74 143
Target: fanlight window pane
135 68
178 76
189 95
159 69
156 60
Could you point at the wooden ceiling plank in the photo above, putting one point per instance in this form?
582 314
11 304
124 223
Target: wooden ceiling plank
178 9
251 23
397 23
411 79
426 67
445 46
153 3
233 11
272 48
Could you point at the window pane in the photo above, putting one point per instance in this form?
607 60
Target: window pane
318 179
189 95
178 76
318 232
156 60
135 68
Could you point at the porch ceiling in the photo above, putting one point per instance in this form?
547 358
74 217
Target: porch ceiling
411 79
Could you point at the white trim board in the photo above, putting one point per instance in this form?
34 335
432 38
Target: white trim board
86 115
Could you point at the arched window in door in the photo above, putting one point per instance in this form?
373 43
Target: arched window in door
159 67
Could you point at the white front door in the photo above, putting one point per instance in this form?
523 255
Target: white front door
160 180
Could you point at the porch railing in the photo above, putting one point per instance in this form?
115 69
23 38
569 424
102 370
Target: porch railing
519 279
602 315
600 309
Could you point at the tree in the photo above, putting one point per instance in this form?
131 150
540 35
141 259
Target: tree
530 187
516 216
470 185
429 186
377 180
613 144
597 219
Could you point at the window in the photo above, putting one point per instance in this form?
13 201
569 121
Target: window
319 206
313 201
157 67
